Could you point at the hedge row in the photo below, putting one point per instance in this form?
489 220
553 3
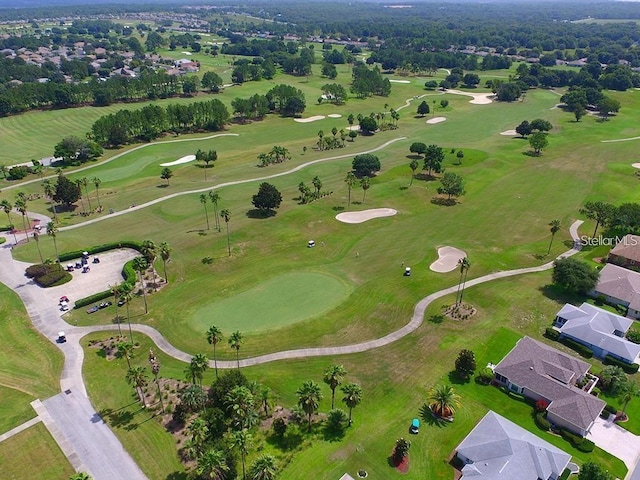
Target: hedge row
581 349
100 248
53 278
581 443
541 421
610 409
552 333
129 275
628 368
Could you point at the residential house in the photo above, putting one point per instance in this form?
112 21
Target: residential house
498 449
600 330
626 253
540 372
620 286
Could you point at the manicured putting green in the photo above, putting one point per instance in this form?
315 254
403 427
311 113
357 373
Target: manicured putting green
278 302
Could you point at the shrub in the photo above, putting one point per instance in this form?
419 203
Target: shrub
610 409
628 368
48 275
581 349
336 420
484 376
96 297
586 446
100 248
541 421
633 335
19 172
552 334
572 438
541 405
279 427
34 271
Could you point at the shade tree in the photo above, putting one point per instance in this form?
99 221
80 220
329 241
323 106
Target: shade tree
365 164
574 275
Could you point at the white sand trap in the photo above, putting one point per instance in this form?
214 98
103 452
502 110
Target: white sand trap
447 259
509 133
635 165
185 159
436 120
310 119
478 98
186 53
364 215
334 115
352 127
399 81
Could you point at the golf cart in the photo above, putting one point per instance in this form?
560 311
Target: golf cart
407 271
415 426
62 338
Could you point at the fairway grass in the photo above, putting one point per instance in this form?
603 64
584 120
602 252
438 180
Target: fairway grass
275 303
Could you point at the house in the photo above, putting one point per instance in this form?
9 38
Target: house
346 476
620 286
498 449
598 329
626 253
540 372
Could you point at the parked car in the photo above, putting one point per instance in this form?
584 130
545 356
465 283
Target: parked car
93 309
61 337
64 306
64 298
104 304
415 426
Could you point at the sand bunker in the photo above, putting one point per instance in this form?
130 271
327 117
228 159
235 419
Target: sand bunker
186 53
310 119
448 258
436 120
478 98
635 165
352 127
399 81
185 159
509 133
364 215
334 115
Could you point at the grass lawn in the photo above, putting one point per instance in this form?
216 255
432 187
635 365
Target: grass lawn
30 366
33 453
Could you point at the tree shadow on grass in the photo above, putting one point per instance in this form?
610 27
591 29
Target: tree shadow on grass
288 442
177 476
332 435
338 208
444 202
257 213
456 379
164 185
431 420
425 177
561 295
403 188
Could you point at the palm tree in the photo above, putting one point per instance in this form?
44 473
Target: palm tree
443 400
226 214
352 397
137 377
52 231
317 183
350 180
140 265
155 369
6 207
215 198
214 336
241 440
36 237
203 201
165 254
85 183
309 396
49 191
198 432
265 397
78 183
263 468
149 250
401 449
126 294
413 166
125 349
555 228
201 364
629 390
21 206
241 404
333 377
96 183
464 265
235 340
365 183
115 291
212 465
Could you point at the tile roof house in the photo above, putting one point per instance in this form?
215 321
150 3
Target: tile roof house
626 253
598 329
498 449
620 286
540 372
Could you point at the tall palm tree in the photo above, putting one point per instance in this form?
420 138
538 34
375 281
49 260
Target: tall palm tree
212 465
198 432
413 166
6 207
96 183
137 377
115 291
629 390
214 336
241 441
21 206
555 228
52 231
201 363
85 183
365 183
155 369
464 265
203 201
126 294
263 468
241 404
443 400
49 192
215 198
317 184
149 250
165 254
265 397
36 237
352 397
125 349
350 180
78 184
140 265
309 396
226 214
235 340
333 377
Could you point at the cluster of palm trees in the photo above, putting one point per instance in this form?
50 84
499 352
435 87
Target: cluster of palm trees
463 265
235 340
310 394
351 180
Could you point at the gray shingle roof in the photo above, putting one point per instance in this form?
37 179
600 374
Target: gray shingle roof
501 450
552 374
595 326
620 283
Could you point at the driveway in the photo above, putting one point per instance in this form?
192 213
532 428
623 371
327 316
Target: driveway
617 441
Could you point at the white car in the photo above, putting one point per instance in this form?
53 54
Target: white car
64 306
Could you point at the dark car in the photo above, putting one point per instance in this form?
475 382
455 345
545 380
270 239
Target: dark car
93 309
104 305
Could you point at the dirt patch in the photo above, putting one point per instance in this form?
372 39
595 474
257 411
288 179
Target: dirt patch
462 311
